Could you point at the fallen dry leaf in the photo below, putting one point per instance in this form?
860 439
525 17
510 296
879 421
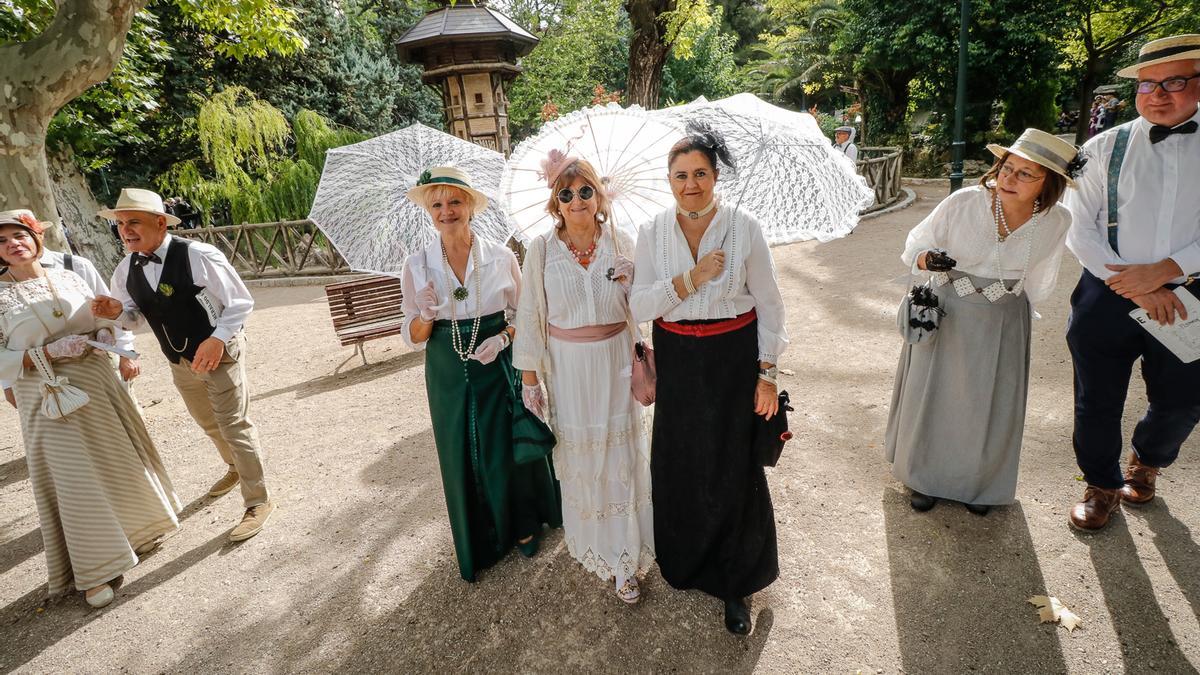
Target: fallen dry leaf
1051 610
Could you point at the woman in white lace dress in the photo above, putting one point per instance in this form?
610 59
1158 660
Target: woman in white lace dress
102 494
573 334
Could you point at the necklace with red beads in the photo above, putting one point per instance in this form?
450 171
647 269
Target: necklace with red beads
585 256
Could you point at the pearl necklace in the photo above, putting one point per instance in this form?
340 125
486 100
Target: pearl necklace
998 216
456 340
696 215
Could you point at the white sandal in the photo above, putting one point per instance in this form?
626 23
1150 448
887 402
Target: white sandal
629 593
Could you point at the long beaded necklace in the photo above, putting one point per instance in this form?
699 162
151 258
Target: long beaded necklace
456 339
998 216
585 256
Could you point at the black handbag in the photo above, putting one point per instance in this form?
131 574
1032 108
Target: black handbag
532 438
771 434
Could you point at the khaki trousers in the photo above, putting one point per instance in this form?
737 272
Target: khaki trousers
219 401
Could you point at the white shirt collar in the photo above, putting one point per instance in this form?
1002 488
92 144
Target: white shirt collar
161 251
1144 124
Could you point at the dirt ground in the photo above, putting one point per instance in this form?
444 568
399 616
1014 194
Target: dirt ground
356 570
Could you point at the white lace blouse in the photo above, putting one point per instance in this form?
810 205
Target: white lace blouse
498 289
749 281
27 311
574 297
963 225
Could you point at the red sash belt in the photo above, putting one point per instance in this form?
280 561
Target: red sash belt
708 329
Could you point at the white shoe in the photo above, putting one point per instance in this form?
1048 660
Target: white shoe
100 598
629 593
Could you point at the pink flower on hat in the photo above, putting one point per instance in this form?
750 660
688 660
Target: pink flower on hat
30 222
555 163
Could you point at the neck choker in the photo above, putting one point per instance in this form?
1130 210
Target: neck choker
695 215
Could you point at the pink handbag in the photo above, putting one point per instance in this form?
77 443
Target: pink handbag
644 378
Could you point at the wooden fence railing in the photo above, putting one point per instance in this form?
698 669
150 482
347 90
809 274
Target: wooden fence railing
294 248
882 167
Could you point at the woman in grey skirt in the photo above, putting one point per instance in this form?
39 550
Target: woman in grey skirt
993 252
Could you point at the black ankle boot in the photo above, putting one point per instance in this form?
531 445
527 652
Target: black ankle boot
921 502
737 616
979 509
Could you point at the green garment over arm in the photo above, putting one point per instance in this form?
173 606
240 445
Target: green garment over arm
491 500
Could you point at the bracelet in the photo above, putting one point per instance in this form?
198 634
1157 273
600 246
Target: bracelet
687 282
507 338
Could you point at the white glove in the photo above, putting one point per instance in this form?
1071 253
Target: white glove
489 349
67 347
623 272
534 399
427 301
105 335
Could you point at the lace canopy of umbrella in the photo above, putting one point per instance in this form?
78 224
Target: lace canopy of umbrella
360 203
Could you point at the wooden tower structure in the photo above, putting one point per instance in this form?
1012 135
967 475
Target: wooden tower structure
469 53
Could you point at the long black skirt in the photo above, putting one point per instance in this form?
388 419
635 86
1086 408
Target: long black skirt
714 527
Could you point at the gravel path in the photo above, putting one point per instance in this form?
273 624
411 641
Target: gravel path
356 572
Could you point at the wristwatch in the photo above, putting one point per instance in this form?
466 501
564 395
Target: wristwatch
772 372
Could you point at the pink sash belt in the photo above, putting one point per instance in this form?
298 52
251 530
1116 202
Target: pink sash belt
586 333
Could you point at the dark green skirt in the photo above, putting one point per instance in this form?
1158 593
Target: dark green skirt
492 501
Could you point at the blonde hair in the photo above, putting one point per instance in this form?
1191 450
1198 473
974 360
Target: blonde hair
441 192
580 169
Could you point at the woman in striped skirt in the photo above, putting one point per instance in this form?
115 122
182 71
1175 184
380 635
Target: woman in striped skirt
102 494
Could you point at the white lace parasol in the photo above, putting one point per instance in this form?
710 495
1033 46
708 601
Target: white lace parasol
787 174
627 146
360 203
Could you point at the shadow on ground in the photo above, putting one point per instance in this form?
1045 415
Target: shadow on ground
960 585
336 380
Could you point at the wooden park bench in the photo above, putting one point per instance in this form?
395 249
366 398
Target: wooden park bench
365 309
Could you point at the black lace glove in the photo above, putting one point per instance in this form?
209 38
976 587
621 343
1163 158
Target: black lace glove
937 260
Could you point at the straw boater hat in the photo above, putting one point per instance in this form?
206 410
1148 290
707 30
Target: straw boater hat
1046 149
1165 50
137 199
448 175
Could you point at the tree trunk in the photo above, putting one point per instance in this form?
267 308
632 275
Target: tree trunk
79 48
647 51
91 236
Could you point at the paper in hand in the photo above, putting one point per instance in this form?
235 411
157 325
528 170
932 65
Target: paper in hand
1183 337
114 349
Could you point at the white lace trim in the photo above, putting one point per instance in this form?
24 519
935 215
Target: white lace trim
36 290
623 568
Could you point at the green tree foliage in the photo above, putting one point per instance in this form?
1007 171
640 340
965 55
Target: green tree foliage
250 172
578 52
710 71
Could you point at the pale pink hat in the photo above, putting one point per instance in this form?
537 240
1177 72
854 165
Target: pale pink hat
555 163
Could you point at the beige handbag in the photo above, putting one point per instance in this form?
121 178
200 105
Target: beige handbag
59 397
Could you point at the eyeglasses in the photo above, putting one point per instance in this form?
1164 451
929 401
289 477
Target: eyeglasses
1171 84
1022 175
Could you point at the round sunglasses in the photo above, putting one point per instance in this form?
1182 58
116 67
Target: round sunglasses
586 192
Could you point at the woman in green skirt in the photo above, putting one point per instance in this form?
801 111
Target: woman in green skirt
459 293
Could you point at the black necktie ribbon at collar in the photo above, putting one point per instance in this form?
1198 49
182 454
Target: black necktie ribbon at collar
1158 132
140 259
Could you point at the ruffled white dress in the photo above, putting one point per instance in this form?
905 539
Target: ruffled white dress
602 459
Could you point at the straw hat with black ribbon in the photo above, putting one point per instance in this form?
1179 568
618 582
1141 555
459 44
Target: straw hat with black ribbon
1046 149
137 199
452 176
1164 50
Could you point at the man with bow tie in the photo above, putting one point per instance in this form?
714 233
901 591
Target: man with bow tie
1136 231
195 303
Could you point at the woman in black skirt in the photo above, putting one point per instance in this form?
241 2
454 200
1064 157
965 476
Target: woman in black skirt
704 275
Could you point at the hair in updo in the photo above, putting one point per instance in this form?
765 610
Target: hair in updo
704 139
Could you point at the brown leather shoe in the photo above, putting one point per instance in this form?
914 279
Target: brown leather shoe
1139 482
1096 508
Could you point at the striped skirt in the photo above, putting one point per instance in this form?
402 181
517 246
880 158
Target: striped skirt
100 487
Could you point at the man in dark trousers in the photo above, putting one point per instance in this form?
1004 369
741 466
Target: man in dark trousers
195 303
1136 230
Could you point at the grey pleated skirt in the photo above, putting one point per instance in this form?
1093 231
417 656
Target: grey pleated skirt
958 404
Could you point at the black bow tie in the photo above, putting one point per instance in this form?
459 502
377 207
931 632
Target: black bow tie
140 260
1158 132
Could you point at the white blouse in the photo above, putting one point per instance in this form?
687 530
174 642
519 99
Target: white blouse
748 282
27 311
499 284
963 225
574 297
